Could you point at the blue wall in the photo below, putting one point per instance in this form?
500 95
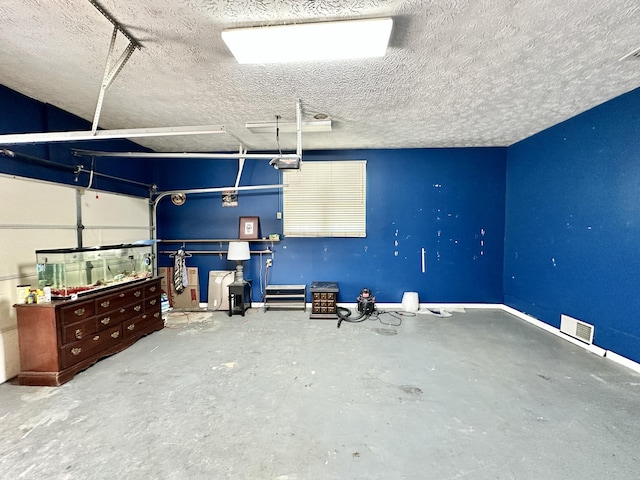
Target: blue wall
449 201
572 241
569 197
21 114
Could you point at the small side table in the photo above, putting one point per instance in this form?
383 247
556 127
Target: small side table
324 296
239 297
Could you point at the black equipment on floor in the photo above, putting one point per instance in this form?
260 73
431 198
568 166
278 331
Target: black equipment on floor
366 306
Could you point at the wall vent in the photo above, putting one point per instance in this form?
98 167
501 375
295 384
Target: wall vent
576 328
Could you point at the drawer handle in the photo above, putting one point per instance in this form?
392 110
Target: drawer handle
156 315
115 334
137 308
78 334
122 310
131 327
105 320
153 302
137 293
79 312
76 351
121 295
152 289
105 304
144 315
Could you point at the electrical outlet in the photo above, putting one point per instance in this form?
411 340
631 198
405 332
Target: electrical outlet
269 262
278 215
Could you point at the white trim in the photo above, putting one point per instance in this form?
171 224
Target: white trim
624 361
443 306
555 331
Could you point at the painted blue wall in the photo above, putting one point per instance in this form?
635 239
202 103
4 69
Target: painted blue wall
569 198
572 241
448 201
21 114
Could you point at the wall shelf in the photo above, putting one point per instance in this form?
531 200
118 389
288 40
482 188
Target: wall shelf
218 240
267 251
215 252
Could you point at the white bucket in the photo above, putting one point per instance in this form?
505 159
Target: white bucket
410 302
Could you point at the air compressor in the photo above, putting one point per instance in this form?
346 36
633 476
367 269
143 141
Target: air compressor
365 306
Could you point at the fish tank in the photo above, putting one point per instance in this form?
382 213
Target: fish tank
77 271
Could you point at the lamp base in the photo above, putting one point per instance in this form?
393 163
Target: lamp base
238 276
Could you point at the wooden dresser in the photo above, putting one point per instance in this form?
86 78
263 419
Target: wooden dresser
61 338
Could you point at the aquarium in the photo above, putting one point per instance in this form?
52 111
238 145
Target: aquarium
76 271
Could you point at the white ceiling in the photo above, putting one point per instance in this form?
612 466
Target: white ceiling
457 73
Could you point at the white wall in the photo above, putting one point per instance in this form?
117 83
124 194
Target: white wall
38 215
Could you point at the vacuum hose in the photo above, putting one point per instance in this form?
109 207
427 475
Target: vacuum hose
366 306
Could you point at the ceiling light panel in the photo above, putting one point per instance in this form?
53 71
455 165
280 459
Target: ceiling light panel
310 41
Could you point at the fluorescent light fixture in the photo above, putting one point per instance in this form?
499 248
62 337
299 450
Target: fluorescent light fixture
289 127
310 41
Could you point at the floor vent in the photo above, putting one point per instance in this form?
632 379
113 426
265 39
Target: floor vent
577 329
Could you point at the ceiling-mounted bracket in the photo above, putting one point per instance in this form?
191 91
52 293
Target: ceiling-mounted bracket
241 158
113 22
110 74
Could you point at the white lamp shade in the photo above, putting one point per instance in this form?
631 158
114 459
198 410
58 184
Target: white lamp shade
238 251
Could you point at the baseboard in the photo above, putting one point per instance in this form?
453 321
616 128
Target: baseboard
614 357
555 331
624 361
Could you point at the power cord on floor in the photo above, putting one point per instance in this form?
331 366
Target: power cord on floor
344 315
377 314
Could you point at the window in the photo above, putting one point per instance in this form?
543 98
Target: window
326 199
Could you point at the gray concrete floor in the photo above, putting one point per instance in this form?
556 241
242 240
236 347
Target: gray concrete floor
478 395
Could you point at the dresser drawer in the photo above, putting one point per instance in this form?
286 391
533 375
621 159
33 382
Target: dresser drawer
79 351
153 303
140 325
108 319
152 289
119 299
76 312
78 331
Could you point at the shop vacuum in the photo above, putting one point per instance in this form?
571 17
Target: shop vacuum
366 306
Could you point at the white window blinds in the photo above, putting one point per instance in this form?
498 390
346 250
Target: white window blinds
326 199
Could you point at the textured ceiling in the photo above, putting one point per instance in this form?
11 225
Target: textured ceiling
457 73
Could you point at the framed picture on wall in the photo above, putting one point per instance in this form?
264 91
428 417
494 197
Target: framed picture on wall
249 228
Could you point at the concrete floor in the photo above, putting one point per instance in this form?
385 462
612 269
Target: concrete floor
478 395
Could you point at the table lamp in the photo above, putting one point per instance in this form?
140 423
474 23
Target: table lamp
238 251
